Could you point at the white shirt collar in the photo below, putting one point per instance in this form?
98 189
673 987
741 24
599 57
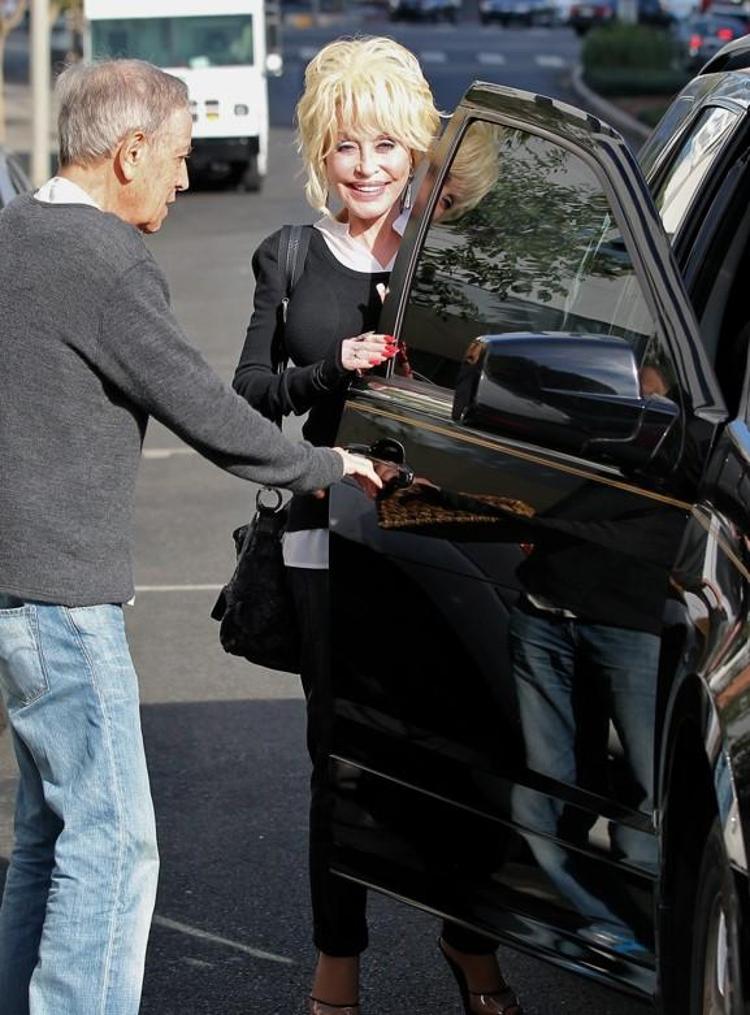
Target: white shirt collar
350 252
58 190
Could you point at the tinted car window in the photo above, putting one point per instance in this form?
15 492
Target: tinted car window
529 244
697 154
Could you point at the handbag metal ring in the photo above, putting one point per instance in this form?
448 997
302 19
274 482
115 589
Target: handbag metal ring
270 506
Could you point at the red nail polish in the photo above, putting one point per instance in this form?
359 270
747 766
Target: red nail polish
374 360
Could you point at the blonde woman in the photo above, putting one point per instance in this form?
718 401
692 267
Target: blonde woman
365 119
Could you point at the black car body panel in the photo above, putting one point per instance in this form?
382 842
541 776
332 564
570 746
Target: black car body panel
574 474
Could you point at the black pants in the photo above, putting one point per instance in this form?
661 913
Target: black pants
339 906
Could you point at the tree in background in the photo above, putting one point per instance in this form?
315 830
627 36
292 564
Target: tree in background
12 13
73 11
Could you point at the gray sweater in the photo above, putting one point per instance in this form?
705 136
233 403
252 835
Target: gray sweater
89 349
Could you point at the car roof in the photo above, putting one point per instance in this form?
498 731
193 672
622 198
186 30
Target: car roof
536 109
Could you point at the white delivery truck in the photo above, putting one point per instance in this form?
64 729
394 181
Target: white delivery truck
221 51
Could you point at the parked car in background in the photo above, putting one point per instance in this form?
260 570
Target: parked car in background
424 10
702 36
584 16
549 739
13 180
657 13
587 15
519 12
733 8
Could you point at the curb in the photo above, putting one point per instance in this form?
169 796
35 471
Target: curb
607 110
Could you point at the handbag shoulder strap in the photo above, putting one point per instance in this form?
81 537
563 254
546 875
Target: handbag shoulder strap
293 244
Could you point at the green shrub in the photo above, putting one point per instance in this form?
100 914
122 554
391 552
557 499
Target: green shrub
633 81
635 46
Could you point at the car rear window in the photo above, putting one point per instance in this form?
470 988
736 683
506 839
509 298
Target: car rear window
698 152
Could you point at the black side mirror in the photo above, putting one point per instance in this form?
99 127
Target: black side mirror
573 393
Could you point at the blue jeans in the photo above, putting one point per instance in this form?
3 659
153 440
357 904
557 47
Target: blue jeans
81 885
551 655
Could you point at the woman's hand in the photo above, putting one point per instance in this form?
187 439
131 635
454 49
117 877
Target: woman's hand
366 351
362 470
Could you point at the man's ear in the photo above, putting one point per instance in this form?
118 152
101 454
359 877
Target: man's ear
130 156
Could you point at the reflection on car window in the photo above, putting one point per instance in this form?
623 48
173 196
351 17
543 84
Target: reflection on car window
689 168
215 41
527 244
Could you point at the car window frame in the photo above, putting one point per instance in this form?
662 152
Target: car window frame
437 166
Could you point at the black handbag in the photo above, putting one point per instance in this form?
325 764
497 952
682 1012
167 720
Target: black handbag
255 609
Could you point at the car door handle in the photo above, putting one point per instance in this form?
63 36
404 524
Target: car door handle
388 456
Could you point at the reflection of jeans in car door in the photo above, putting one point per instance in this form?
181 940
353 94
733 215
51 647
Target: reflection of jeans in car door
550 653
81 884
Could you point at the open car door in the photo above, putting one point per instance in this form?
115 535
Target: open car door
498 612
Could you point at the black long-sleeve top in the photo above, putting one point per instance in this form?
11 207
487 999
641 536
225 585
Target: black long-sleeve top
330 302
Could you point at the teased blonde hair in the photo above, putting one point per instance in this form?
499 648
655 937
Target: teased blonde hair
369 84
474 169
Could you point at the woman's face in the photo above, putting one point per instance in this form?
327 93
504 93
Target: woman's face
368 173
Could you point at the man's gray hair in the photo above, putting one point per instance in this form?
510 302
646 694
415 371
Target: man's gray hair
101 103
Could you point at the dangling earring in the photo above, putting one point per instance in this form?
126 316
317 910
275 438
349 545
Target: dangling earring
406 195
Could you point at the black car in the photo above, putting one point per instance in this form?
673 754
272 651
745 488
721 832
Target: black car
424 10
546 733
517 12
13 179
585 16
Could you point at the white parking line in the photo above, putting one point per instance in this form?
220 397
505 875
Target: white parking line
202 935
549 61
497 59
432 56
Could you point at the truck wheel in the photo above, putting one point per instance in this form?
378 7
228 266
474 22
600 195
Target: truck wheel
250 180
716 985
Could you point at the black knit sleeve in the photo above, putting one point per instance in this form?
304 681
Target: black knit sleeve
296 389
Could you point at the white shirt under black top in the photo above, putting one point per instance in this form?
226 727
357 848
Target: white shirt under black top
336 297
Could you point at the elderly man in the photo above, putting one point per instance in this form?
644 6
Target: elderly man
90 349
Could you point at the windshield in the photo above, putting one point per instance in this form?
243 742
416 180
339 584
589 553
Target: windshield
217 41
